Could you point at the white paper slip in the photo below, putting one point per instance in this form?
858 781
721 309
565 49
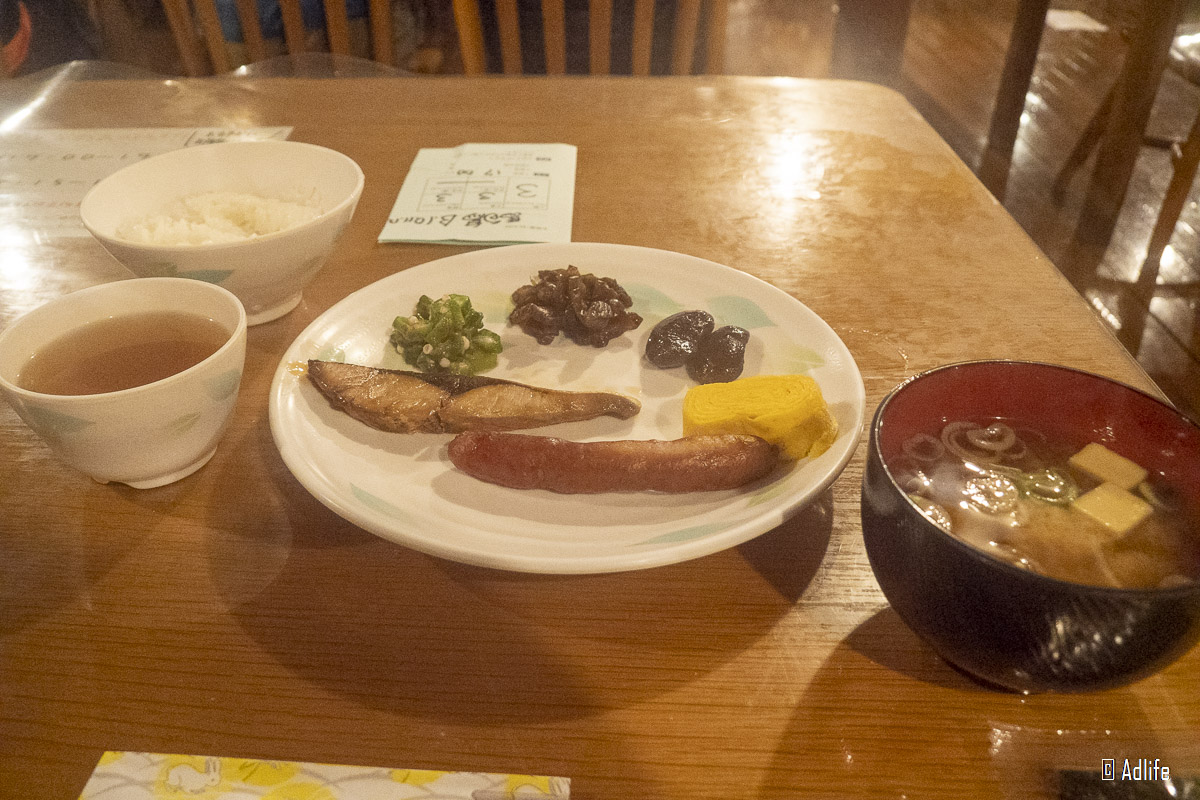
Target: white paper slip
486 194
1062 20
45 173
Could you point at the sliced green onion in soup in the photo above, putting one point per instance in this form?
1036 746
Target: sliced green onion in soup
1050 486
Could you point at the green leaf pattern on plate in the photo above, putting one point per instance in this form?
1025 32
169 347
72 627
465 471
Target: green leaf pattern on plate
207 275
798 360
53 424
225 385
685 534
169 269
778 488
382 506
733 310
330 353
181 425
495 305
312 265
654 304
651 303
160 269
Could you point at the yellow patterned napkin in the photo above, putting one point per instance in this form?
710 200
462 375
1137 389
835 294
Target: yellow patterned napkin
149 776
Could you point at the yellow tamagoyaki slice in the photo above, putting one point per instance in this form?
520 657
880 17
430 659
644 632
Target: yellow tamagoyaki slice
787 410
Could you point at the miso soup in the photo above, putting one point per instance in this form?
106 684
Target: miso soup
122 352
1078 511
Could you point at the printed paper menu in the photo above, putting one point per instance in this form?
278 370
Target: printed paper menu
486 194
44 174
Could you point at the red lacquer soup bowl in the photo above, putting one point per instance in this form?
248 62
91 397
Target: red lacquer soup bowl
1005 625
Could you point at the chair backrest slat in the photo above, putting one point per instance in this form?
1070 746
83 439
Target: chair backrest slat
337 28
382 47
509 23
470 36
210 26
554 29
683 40
600 36
643 35
293 25
256 48
198 33
204 27
714 44
179 19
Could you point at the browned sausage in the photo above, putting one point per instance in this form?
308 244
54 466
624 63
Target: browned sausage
691 464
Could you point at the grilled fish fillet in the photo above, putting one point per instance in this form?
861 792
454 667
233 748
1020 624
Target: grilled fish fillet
407 402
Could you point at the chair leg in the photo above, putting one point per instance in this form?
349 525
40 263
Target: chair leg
1015 79
1186 159
1083 148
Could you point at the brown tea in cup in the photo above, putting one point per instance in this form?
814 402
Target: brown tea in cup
121 352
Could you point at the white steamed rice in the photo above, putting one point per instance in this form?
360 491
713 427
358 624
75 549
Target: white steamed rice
216 217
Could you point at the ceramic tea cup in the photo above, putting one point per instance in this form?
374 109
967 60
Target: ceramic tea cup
156 432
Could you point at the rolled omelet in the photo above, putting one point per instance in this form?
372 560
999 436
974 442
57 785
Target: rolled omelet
787 410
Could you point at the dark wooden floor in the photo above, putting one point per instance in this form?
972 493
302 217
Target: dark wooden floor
953 58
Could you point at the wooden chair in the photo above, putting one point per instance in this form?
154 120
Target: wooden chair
340 33
687 17
1184 60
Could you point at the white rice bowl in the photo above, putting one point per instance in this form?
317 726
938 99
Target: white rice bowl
259 218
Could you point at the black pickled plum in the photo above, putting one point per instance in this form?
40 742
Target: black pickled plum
720 355
675 339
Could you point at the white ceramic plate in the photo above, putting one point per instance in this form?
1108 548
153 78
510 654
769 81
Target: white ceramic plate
403 487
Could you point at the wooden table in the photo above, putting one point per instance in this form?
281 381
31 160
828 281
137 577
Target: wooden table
232 614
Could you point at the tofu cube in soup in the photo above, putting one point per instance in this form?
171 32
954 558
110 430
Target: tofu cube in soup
1106 466
1113 507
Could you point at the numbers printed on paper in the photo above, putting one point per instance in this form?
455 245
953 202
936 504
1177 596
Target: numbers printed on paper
485 193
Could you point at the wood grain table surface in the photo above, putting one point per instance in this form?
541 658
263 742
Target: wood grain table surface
233 614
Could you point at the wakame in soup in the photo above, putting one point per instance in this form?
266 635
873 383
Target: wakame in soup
1080 513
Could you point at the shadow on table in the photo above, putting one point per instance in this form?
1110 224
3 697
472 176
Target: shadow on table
772 573
886 641
789 556
399 630
50 558
885 716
